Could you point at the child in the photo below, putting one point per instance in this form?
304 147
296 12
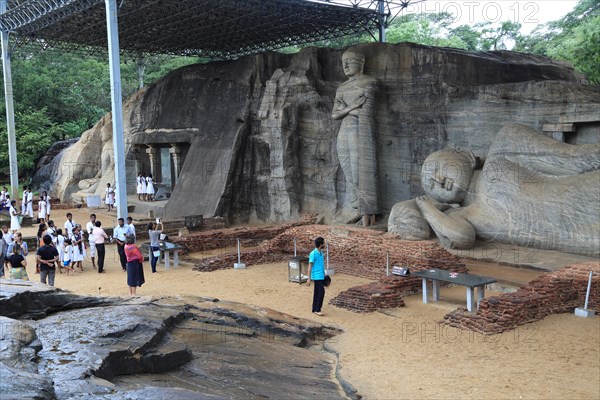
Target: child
60 246
141 187
110 197
67 256
42 209
149 188
48 205
8 238
78 248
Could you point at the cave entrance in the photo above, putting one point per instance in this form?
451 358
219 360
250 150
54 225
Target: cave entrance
164 162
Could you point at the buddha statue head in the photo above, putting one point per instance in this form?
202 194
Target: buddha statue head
353 62
446 174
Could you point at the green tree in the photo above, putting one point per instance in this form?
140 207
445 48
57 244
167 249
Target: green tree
574 38
582 48
70 87
58 95
431 29
34 136
468 36
495 37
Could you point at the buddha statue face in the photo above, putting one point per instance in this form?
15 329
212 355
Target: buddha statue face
353 62
446 174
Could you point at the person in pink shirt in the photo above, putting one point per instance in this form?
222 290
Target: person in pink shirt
135 269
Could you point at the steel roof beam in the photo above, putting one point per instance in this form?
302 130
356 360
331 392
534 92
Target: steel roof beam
38 14
217 29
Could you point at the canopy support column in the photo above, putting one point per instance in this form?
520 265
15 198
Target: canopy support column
10 111
141 66
381 20
117 106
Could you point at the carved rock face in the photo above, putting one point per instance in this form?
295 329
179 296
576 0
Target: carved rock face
262 141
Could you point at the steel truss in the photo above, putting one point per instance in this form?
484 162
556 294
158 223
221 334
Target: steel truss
213 29
32 16
387 10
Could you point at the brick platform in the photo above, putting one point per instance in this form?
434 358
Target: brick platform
558 292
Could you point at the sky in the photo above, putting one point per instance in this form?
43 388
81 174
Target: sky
529 13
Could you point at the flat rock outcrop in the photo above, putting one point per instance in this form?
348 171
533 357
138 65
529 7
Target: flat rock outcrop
186 347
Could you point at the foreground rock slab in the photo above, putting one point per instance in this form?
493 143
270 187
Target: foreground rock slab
186 347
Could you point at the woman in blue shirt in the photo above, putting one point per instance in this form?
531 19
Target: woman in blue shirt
316 273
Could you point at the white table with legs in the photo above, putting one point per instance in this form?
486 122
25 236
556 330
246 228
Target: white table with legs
166 249
471 281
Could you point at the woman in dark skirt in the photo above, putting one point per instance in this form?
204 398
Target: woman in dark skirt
135 270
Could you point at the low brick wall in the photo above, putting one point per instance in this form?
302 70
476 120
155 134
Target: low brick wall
385 293
362 252
250 257
354 251
221 238
558 292
213 223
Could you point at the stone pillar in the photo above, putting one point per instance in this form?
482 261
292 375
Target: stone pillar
155 167
138 160
175 151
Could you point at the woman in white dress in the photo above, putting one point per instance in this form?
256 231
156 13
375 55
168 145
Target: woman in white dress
109 199
48 207
14 217
149 188
141 187
78 248
60 246
42 209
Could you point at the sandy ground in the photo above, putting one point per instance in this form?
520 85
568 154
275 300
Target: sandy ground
400 353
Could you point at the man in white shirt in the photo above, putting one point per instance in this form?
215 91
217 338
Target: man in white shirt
98 237
89 227
30 202
131 227
69 225
120 233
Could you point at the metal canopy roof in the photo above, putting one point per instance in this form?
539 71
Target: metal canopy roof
209 28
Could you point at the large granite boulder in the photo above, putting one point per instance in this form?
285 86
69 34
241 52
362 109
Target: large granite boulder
181 348
261 141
